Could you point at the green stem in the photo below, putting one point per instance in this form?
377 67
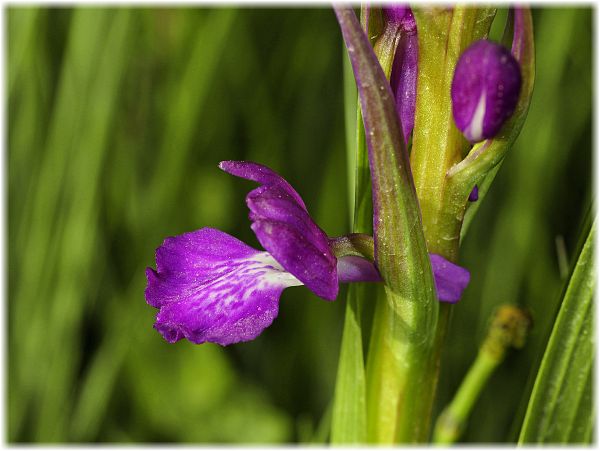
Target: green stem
405 319
452 420
397 380
508 329
437 145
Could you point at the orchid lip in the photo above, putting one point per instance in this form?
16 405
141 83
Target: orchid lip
209 286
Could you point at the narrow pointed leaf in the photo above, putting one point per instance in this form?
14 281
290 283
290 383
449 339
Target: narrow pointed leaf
400 250
349 421
349 416
560 407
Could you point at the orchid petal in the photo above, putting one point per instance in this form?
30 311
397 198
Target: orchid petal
260 174
450 279
403 78
474 195
485 89
316 269
285 229
356 269
400 15
212 287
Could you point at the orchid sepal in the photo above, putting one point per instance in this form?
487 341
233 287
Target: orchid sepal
450 279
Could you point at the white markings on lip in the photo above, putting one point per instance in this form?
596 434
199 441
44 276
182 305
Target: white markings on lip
273 271
240 279
476 126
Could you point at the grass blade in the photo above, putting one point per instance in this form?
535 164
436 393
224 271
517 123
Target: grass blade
349 420
560 402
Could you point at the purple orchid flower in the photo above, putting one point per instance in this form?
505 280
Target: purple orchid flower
209 286
485 89
212 287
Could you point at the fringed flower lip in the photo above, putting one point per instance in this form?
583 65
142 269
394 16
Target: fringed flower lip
211 287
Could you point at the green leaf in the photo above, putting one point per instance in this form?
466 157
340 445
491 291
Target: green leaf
350 121
349 422
560 406
400 250
64 211
349 418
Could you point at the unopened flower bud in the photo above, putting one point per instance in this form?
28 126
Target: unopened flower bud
402 27
485 89
401 16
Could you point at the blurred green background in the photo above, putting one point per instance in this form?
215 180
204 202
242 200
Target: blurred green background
117 119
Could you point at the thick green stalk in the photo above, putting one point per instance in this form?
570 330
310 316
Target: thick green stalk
437 146
443 202
403 330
